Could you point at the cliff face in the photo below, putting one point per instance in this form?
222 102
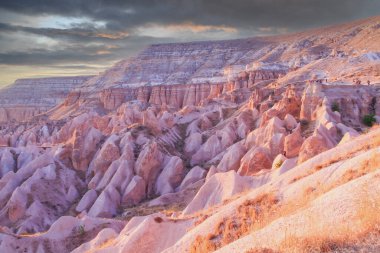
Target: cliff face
180 95
180 74
181 63
29 97
265 152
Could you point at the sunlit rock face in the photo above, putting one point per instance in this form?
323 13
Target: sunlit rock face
26 98
198 147
181 63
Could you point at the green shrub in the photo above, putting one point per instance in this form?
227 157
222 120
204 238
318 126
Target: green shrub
81 230
369 119
335 107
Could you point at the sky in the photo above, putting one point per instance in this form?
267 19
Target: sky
77 37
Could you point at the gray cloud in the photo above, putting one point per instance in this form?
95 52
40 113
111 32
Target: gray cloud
86 42
120 14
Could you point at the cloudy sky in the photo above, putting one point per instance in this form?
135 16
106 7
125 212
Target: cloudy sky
72 37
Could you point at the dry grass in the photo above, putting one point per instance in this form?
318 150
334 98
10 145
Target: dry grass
201 219
257 213
363 237
144 210
367 241
333 161
251 215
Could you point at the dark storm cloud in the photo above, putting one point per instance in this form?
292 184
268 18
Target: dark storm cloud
294 14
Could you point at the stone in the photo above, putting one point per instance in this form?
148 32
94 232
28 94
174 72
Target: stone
87 200
255 160
231 159
208 150
24 105
135 191
192 143
312 146
217 189
171 176
7 162
149 164
106 204
72 193
17 205
293 142
212 171
106 155
84 147
290 122
195 174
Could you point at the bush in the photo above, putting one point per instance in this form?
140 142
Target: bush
369 119
304 122
278 164
335 107
80 230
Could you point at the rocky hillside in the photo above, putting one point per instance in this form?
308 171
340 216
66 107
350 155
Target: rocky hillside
263 151
219 61
28 97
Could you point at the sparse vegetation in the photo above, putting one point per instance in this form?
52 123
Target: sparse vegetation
307 127
369 120
80 230
144 209
278 164
335 107
250 215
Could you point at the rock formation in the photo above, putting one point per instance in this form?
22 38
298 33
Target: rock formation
28 97
199 147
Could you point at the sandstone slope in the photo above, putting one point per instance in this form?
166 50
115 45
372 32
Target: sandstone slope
265 159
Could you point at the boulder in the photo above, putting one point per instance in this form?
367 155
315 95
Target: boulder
171 176
135 191
219 187
290 122
192 143
108 175
7 162
212 171
149 164
314 145
264 135
255 160
293 142
122 176
208 150
24 158
17 205
106 204
87 200
231 159
84 147
106 155
345 129
227 135
72 194
348 136
195 174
